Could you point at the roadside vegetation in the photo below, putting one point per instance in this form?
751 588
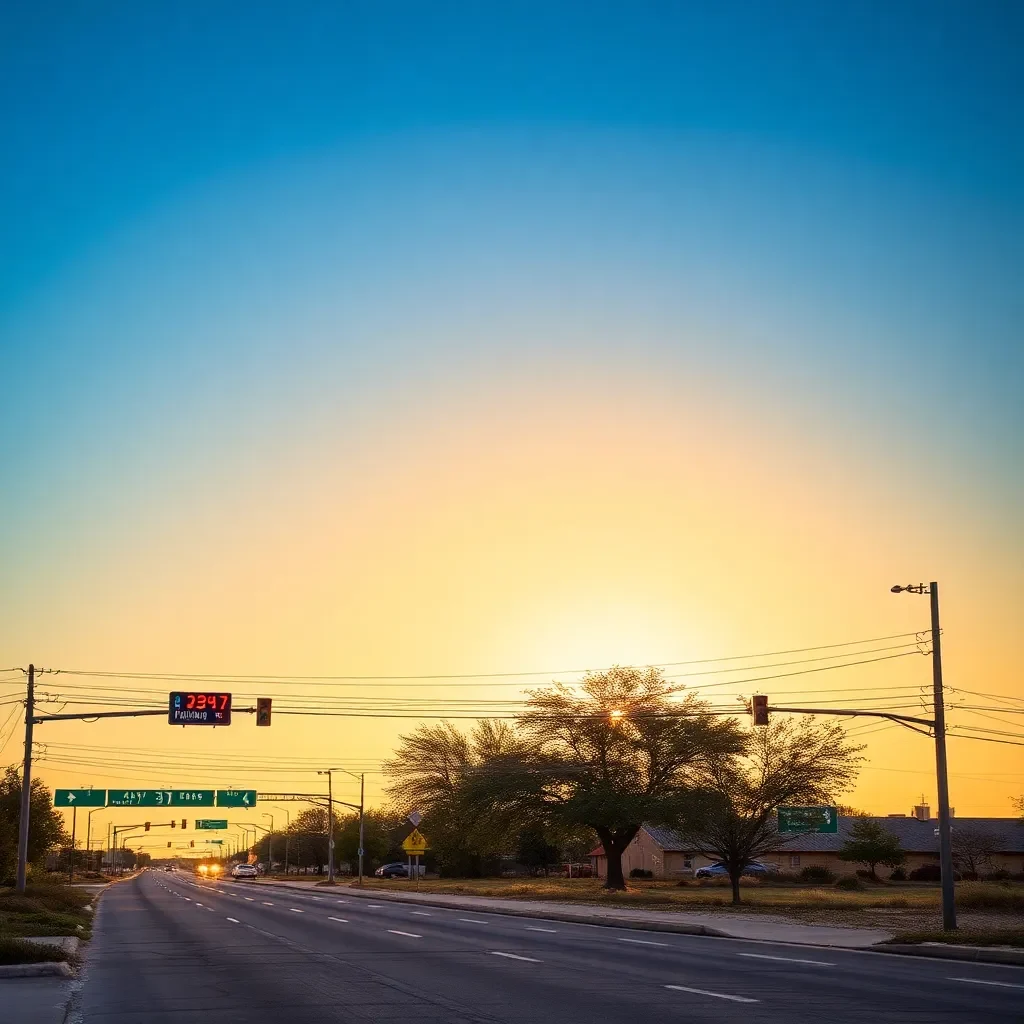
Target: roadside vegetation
45 910
18 951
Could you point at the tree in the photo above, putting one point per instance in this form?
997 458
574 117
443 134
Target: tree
972 850
1018 803
848 811
432 769
797 761
625 751
46 825
536 851
872 844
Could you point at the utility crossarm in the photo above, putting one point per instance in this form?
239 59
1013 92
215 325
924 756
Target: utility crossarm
928 723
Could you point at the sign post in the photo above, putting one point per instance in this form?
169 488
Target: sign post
414 844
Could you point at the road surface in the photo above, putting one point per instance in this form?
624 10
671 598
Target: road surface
169 949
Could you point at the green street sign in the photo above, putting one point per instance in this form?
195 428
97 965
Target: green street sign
160 798
211 823
809 819
216 842
79 798
236 797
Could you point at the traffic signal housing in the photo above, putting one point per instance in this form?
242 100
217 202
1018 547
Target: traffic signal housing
184 822
147 826
759 708
263 710
191 842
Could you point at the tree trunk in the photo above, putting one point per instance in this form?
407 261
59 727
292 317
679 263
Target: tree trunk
735 879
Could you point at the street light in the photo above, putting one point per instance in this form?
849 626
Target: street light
270 843
942 783
330 802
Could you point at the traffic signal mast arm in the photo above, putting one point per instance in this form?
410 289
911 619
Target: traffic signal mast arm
908 720
38 719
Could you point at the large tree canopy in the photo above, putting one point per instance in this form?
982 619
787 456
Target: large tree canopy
623 749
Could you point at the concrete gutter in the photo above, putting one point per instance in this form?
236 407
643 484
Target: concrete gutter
939 950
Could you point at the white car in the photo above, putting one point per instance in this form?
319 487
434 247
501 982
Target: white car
244 871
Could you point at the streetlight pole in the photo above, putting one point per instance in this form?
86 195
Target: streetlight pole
330 826
287 837
941 775
270 843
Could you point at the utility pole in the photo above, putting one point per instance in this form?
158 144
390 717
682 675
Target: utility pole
362 791
26 781
74 830
945 837
330 831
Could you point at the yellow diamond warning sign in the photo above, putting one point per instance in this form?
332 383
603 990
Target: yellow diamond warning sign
415 842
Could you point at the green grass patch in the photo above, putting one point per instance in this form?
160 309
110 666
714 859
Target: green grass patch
967 937
17 951
45 910
1001 896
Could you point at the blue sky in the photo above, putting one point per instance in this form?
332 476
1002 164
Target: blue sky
219 220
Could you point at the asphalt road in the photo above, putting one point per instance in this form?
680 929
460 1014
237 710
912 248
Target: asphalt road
168 949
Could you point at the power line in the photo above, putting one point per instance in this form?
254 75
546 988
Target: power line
285 677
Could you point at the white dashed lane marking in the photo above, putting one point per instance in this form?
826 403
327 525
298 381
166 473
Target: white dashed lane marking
421 913
787 959
343 920
980 981
295 910
531 928
516 956
714 995
644 942
266 904
408 935
472 920
249 898
233 920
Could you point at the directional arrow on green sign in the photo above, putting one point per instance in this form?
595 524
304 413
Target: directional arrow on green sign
236 797
79 798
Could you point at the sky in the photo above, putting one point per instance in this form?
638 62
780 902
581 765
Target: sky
388 339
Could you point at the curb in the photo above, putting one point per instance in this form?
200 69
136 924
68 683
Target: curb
44 970
976 954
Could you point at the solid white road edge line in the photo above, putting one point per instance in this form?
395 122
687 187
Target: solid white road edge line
516 956
787 959
980 981
715 995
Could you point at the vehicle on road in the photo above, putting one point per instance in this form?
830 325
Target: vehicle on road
244 871
719 870
209 869
395 870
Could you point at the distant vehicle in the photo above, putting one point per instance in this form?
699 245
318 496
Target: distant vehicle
395 870
209 869
244 871
168 868
719 870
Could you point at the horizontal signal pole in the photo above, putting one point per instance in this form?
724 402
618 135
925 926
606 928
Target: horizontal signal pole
892 716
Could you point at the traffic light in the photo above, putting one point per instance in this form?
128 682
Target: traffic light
173 824
147 826
759 708
263 710
168 844
191 842
184 822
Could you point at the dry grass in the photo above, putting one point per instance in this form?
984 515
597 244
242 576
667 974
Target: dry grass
893 906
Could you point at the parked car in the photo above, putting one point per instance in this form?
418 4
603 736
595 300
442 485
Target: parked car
244 871
395 870
719 870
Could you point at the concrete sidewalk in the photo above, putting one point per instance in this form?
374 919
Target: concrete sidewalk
761 927
34 1000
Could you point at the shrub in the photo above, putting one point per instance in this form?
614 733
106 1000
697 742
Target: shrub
641 873
899 875
817 873
683 881
926 873
989 896
849 883
866 875
1002 875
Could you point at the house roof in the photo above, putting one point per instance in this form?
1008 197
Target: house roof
1006 835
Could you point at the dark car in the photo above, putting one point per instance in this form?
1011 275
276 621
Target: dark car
395 870
719 870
